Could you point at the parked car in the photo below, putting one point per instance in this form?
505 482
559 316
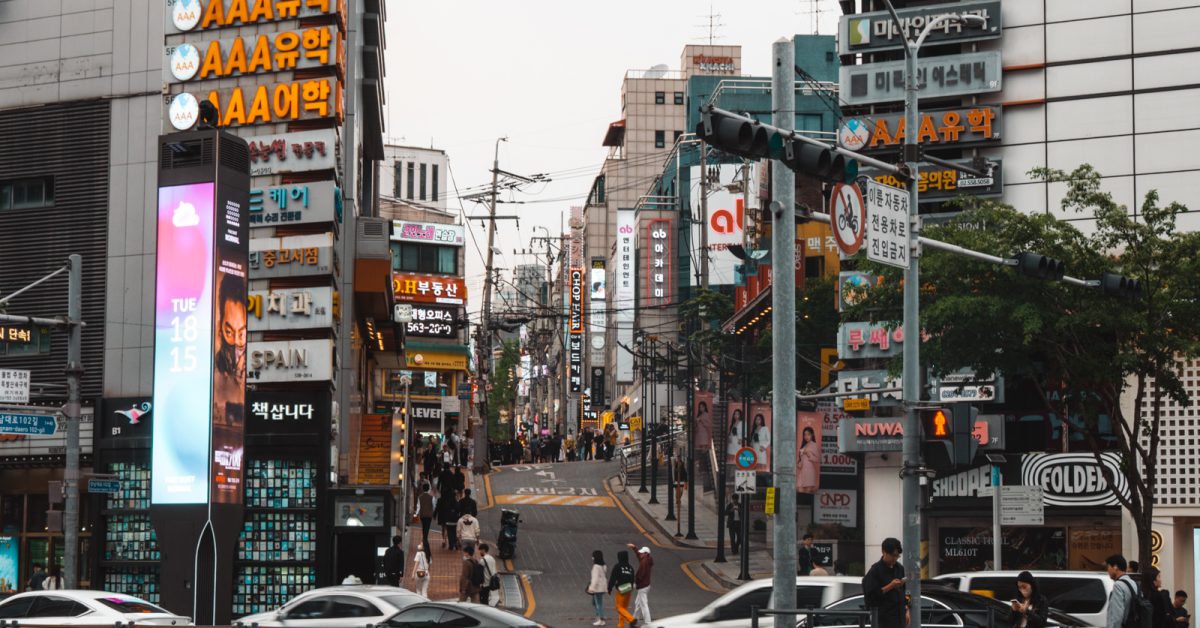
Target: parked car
434 614
1081 594
732 610
76 607
938 608
338 607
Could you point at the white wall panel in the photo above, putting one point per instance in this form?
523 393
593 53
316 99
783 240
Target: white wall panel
1018 86
1029 198
1059 11
1167 111
1078 79
1164 152
1021 13
1091 117
1023 124
1167 70
1021 46
1087 39
1111 156
1018 160
1142 6
1175 187
1165 30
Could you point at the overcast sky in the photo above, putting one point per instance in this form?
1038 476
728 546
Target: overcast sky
547 74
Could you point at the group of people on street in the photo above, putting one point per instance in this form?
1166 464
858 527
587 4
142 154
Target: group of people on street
1132 603
479 577
40 580
623 582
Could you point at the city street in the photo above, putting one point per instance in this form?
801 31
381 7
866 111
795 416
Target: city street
567 512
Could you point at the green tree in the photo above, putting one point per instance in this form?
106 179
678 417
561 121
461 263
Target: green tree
504 390
1082 349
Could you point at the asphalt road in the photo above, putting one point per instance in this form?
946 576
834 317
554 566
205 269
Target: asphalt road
567 511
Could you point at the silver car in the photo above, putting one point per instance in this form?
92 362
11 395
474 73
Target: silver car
82 608
339 606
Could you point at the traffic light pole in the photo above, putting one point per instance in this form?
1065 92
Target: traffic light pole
783 337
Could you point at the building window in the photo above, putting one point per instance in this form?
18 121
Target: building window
398 170
660 98
660 139
679 98
422 182
424 258
434 181
678 134
411 178
27 193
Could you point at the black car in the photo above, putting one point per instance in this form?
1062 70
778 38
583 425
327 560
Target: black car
458 615
938 606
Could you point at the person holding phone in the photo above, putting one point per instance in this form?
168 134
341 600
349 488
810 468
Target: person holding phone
883 586
1030 607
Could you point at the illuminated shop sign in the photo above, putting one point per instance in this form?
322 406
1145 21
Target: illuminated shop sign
428 233
295 308
291 256
412 288
184 16
658 260
305 99
959 127
264 53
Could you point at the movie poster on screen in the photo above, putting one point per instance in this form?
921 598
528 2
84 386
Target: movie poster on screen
760 435
808 451
703 430
232 262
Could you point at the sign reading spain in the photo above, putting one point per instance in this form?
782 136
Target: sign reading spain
309 99
200 15
276 52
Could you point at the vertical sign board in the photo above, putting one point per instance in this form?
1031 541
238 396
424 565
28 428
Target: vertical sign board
623 302
658 261
597 300
576 318
887 225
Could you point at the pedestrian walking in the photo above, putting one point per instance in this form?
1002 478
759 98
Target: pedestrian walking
805 557
36 579
460 479
490 574
883 586
641 601
1178 611
468 530
425 512
471 576
623 580
733 523
467 505
421 570
1159 598
818 570
54 582
679 473
1031 607
1124 592
447 509
588 440
393 561
597 586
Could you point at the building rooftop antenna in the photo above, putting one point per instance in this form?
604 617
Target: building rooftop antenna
713 24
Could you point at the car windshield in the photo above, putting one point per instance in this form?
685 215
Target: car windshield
130 605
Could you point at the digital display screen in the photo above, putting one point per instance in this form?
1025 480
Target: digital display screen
183 345
232 250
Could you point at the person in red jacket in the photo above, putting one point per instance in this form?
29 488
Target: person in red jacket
641 603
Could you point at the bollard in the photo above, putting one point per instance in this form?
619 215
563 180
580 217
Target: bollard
753 617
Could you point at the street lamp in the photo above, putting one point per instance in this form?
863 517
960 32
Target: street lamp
654 414
639 340
912 326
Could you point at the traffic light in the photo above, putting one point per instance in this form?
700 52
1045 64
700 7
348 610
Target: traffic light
1121 286
962 425
733 134
1040 266
948 438
750 139
819 162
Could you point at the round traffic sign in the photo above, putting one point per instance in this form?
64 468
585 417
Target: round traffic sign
746 458
848 217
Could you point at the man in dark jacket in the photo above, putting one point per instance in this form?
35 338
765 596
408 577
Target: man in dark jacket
460 479
883 587
393 562
623 579
425 511
804 558
467 505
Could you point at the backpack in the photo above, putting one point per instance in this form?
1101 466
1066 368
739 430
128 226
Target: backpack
477 575
1140 612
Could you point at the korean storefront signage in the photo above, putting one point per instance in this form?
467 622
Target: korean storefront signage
295 203
575 366
658 260
428 233
273 103
126 417
432 321
1066 480
437 361
429 289
937 77
291 256
875 31
868 340
870 434
427 410
184 16
20 446
726 220
707 64
292 412
977 125
625 259
16 339
597 304
866 384
838 506
14 386
290 361
290 308
887 224
575 321
301 151
939 183
264 53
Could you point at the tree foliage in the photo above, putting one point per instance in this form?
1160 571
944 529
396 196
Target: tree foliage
1084 350
504 390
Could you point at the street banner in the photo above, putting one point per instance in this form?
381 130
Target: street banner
808 451
760 434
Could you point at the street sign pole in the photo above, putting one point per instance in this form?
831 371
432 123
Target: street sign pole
997 539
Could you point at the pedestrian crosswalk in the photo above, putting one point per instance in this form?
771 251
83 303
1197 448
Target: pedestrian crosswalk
555 500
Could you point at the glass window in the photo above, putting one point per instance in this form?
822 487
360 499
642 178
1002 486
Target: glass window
422 181
447 260
678 134
457 620
810 596
11 507
419 616
347 606
1073 595
434 197
679 98
660 98
409 181
54 606
13 609
739 608
129 605
857 603
424 258
660 139
403 601
27 193
313 608
398 171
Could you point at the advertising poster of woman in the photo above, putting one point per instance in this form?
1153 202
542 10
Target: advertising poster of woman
736 436
703 433
760 434
808 451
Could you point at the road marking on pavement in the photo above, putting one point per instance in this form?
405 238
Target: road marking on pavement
508 563
554 500
687 569
634 521
487 488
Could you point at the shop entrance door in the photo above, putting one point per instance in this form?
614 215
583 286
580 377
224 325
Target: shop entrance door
355 554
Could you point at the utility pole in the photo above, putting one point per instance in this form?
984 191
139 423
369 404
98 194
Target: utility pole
783 337
654 436
484 350
74 375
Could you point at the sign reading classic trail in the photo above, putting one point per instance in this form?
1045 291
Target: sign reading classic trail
848 217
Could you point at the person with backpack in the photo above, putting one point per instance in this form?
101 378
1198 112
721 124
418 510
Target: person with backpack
622 578
1124 607
471 577
1159 598
491 574
1030 608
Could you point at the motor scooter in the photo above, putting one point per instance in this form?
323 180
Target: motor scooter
507 542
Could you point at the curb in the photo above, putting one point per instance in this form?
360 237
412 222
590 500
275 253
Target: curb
726 582
615 481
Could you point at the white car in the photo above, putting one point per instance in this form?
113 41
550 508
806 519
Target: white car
83 608
1080 594
339 606
732 610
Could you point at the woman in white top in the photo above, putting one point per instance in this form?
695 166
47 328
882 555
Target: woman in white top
421 562
737 433
598 586
55 580
760 437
